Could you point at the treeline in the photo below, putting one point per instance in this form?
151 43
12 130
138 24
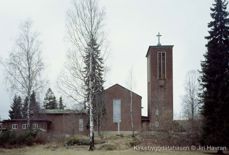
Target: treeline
19 107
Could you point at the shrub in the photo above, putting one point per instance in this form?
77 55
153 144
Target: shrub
77 141
134 141
7 136
10 138
108 147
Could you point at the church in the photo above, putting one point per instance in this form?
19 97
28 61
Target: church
118 102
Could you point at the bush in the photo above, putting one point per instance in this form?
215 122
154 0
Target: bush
134 141
77 141
9 138
108 147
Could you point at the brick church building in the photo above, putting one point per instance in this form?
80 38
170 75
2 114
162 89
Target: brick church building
117 103
160 84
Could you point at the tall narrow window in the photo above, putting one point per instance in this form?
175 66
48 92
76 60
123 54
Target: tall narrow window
161 64
116 110
80 124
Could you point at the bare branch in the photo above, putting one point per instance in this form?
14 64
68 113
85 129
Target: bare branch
24 65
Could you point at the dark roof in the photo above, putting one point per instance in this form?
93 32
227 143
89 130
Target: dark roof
25 120
161 46
60 111
118 85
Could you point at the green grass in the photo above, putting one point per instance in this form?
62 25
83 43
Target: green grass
44 150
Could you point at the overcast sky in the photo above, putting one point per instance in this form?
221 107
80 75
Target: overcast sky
131 27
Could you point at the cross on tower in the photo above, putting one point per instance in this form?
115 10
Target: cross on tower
159 35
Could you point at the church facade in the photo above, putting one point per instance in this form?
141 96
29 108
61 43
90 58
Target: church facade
119 102
160 84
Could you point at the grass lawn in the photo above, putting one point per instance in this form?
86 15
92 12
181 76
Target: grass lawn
44 150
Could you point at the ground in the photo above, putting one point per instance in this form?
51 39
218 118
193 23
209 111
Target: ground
46 150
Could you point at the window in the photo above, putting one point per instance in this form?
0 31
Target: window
157 112
14 126
24 126
116 110
35 125
161 64
80 124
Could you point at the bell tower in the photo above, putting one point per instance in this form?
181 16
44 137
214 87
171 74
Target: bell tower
160 84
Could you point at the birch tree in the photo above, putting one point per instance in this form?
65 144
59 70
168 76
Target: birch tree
24 65
83 78
191 105
130 85
191 99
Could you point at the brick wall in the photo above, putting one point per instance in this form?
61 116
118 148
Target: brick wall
119 92
160 91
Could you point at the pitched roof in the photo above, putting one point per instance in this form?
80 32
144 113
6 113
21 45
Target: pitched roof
118 85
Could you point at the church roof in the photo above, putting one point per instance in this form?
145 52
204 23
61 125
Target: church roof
118 85
159 47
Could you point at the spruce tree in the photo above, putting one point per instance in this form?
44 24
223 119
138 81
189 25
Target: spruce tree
34 105
61 105
96 77
215 79
15 112
50 100
24 108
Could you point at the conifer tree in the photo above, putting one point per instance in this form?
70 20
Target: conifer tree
24 108
50 100
61 105
15 112
96 75
215 78
34 105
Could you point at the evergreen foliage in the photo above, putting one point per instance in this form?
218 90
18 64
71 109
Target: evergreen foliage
50 100
96 75
24 108
215 78
61 105
34 106
15 112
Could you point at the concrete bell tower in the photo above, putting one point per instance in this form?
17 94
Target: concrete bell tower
160 84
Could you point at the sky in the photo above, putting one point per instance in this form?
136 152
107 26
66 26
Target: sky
130 26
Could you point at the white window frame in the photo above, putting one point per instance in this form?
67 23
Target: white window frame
35 125
24 126
14 126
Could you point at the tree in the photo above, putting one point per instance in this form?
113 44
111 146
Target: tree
93 72
50 100
15 112
34 105
24 66
191 99
83 77
130 83
25 108
214 78
191 105
61 105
